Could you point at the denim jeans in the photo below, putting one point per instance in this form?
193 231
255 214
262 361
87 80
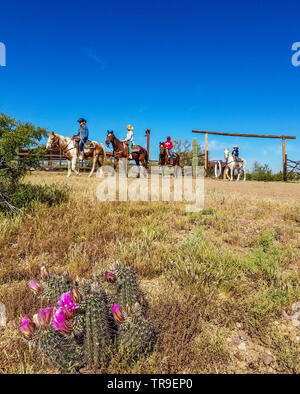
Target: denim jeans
171 153
81 143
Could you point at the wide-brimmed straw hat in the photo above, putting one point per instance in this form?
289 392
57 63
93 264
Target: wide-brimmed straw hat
129 127
235 147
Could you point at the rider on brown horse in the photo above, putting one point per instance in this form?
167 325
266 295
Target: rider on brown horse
120 150
168 145
129 139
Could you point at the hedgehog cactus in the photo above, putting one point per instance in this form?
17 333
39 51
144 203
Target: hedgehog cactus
61 351
55 285
135 334
97 332
124 278
128 287
135 338
77 330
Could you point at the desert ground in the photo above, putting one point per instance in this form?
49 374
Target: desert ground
221 285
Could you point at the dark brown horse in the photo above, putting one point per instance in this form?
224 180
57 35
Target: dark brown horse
121 151
165 159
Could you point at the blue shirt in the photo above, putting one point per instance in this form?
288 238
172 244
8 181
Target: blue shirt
235 152
84 132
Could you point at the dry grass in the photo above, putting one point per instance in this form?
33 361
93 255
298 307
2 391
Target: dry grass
205 275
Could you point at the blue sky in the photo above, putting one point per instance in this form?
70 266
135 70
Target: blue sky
171 66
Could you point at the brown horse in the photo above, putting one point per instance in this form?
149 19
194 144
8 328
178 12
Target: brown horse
165 159
69 148
121 151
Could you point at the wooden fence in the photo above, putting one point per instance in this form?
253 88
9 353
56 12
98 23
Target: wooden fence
293 168
54 160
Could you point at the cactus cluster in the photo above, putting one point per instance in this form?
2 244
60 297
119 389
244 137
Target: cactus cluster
88 319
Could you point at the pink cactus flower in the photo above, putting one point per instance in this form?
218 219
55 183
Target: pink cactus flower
45 316
44 273
67 303
35 287
27 327
60 322
110 277
117 313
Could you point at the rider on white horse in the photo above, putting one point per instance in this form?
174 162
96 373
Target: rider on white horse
83 134
233 164
235 153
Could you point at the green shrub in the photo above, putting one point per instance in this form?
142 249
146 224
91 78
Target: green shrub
15 136
262 172
25 195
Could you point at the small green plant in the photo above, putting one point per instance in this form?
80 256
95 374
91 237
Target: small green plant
208 211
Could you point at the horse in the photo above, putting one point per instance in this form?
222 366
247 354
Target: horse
232 164
164 159
121 151
70 151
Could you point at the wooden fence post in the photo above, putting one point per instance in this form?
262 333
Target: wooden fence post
284 172
206 156
195 156
285 169
148 141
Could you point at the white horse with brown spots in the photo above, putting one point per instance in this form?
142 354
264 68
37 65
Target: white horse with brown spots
70 151
232 165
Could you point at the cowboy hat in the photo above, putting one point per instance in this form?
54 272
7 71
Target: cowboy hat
235 147
129 127
81 120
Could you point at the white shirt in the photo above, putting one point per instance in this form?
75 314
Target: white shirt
129 136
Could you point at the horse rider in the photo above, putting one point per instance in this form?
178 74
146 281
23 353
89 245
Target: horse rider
83 134
129 139
236 153
168 145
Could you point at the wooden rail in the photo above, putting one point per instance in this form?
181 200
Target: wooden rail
293 167
56 160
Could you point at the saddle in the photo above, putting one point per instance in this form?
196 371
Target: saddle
169 156
135 148
237 163
87 144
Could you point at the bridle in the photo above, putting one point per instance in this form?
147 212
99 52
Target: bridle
55 140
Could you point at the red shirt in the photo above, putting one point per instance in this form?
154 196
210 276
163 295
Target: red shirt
168 144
